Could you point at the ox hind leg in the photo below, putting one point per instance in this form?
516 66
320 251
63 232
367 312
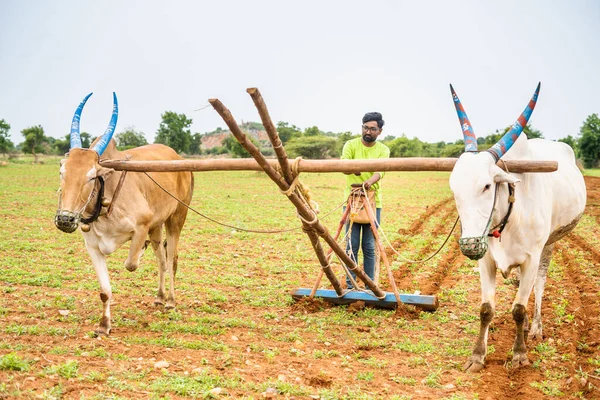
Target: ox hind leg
536 325
161 258
529 272
487 273
174 225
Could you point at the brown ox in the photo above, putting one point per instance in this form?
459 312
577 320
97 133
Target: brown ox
139 211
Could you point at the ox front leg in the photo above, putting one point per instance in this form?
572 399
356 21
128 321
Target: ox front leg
528 275
487 274
538 289
137 247
99 261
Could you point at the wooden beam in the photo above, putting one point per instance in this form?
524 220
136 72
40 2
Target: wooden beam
349 166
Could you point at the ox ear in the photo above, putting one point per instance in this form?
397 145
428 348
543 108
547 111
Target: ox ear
105 172
502 177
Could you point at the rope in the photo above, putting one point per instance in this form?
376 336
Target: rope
202 108
380 229
425 259
311 223
231 226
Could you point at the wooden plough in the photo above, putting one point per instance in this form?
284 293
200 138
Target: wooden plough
280 171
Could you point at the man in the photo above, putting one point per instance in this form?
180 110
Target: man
365 147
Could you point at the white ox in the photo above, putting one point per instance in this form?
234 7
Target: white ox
545 207
139 210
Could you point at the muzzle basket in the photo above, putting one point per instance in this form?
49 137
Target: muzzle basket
474 247
66 221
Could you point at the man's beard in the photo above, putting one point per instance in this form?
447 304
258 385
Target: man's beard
369 138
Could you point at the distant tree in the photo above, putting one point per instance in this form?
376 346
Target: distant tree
287 132
6 145
174 131
589 142
313 131
235 148
532 133
130 138
312 147
342 138
452 150
252 126
196 145
86 139
62 146
494 137
529 130
34 140
405 147
571 141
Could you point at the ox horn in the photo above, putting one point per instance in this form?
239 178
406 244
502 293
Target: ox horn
509 138
101 144
465 124
75 136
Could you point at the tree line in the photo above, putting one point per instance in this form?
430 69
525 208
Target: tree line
312 143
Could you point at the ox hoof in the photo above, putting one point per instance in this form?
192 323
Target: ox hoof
131 267
170 305
535 332
535 335
472 366
159 302
101 331
520 360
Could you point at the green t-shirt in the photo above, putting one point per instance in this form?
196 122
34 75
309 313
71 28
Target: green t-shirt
355 150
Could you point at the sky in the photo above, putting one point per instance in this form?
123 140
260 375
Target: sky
323 63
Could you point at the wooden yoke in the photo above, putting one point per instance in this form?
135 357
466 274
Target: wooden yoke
311 224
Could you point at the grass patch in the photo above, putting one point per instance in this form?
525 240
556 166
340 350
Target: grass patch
14 362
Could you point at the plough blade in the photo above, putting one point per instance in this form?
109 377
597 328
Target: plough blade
424 302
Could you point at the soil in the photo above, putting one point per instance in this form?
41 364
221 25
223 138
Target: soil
576 342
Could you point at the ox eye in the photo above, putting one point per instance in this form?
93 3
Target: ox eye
487 187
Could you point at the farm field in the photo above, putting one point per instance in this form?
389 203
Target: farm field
236 332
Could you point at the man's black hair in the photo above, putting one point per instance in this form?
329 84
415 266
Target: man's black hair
374 116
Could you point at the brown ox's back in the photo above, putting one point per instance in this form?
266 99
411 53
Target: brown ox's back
139 191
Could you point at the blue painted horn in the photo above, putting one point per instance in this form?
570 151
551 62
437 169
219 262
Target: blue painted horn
101 144
509 138
467 128
75 135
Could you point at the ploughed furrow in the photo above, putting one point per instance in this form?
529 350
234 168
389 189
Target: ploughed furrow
570 310
499 380
592 184
580 243
446 268
584 307
403 275
417 226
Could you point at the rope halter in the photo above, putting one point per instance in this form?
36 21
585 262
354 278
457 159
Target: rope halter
475 247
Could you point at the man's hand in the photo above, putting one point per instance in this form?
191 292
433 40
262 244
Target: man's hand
371 181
